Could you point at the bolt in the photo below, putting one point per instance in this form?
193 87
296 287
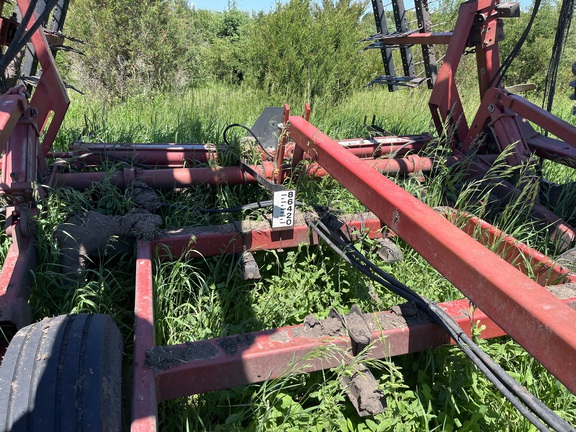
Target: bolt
14 175
491 108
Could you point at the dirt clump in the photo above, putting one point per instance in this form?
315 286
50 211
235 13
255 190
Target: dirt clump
90 235
143 196
315 328
568 259
162 358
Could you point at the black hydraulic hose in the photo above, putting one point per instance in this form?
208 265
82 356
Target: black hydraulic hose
230 126
11 52
512 55
244 207
560 40
510 388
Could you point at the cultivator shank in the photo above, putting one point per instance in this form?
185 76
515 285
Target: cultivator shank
510 288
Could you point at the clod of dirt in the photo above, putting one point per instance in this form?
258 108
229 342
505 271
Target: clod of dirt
84 235
315 328
94 235
568 259
357 326
364 393
143 196
563 291
162 357
141 224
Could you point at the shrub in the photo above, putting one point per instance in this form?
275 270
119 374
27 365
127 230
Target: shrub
132 46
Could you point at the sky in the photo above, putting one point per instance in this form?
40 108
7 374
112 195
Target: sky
268 5
247 5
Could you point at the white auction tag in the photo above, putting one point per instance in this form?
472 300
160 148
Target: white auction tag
284 209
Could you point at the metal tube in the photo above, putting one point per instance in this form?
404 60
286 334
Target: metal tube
144 397
529 313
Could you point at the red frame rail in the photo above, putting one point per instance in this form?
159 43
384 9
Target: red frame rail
509 302
530 314
167 372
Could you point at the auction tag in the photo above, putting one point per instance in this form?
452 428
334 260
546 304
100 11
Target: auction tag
284 209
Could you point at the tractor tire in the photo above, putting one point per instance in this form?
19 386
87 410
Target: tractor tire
63 374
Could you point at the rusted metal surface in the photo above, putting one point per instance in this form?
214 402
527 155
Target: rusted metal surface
20 161
208 365
50 98
231 175
526 259
16 280
168 155
12 105
144 399
531 315
249 236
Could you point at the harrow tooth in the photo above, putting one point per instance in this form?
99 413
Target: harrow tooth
363 391
249 267
389 251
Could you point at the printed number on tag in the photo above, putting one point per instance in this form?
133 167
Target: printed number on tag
284 209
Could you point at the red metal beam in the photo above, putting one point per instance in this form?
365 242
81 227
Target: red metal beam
172 155
231 175
249 236
536 319
144 397
50 97
16 280
208 365
526 259
418 39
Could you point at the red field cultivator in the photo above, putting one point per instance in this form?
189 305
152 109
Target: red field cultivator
65 372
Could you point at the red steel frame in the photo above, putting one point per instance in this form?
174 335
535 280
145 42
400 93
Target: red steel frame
505 299
277 352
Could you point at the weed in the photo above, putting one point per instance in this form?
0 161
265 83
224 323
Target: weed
199 298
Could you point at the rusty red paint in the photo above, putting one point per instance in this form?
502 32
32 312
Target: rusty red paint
221 239
526 259
50 95
144 398
231 175
256 357
165 155
530 314
16 280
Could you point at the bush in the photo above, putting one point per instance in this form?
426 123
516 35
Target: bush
132 47
309 49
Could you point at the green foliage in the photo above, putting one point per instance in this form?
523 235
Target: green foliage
132 47
309 49
532 61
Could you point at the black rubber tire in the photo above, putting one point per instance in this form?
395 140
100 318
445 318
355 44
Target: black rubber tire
63 374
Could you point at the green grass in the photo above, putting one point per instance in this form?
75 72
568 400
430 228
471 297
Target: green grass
205 298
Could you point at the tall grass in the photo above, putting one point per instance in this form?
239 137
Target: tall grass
205 297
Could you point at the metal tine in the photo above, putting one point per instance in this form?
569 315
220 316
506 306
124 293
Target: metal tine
439 24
